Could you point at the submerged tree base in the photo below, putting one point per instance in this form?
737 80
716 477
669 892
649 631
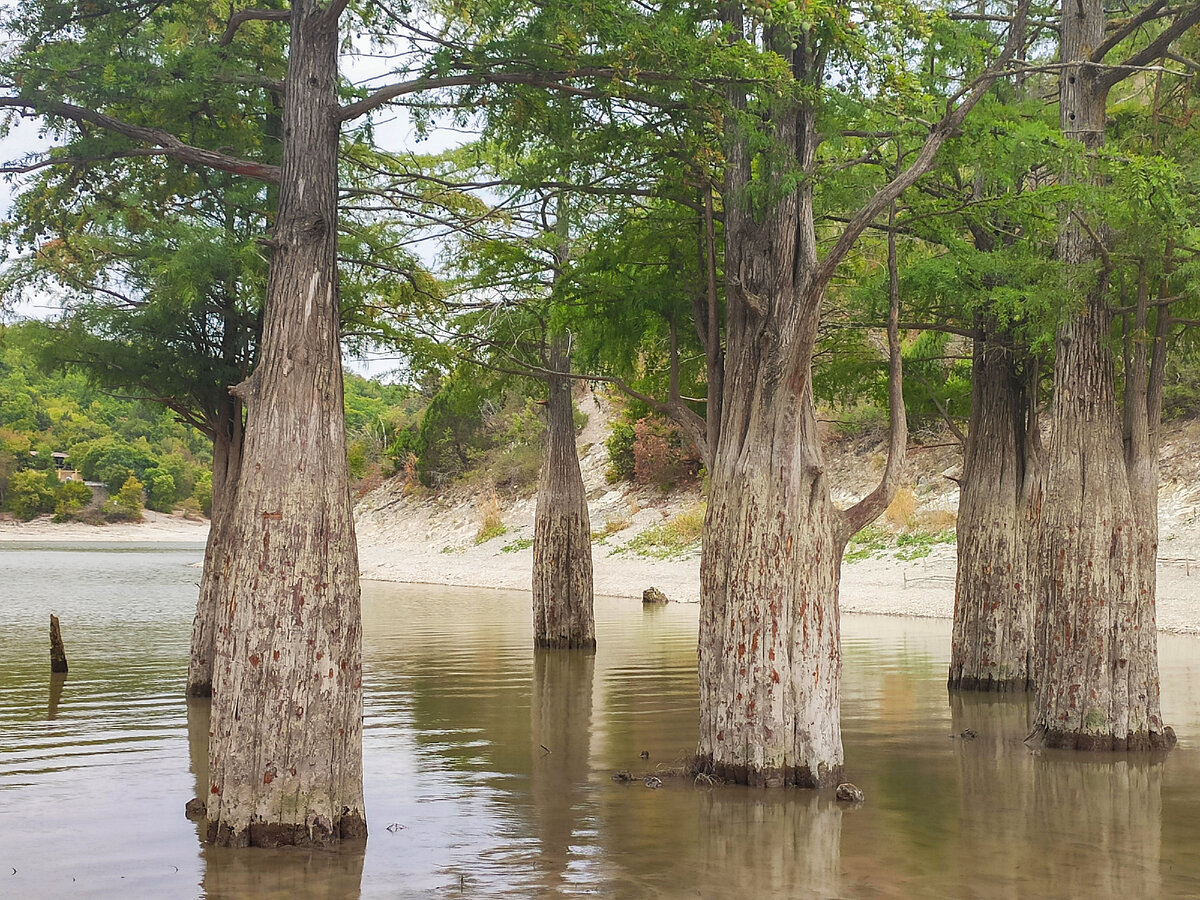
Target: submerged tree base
782 776
200 689
990 684
573 642
350 828
1102 743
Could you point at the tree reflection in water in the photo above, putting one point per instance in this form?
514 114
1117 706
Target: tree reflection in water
560 744
1080 825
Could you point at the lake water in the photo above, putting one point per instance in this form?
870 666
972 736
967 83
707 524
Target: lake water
488 768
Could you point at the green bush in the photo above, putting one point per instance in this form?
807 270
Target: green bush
31 493
621 465
356 458
202 493
73 497
127 504
160 489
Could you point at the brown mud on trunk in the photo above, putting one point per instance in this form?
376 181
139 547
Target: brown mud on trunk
769 644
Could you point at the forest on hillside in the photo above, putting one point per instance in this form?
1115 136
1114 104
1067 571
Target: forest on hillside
738 216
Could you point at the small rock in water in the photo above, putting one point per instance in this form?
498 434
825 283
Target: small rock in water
623 775
654 595
967 734
195 809
851 793
653 782
645 754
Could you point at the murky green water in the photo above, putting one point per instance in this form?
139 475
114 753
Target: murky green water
489 768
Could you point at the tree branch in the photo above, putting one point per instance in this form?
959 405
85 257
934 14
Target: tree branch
171 145
1124 30
240 18
925 157
867 509
1154 50
550 80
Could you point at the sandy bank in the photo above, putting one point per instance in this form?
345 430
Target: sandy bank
156 528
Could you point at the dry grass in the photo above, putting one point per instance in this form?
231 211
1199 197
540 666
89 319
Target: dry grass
490 523
903 508
616 523
936 519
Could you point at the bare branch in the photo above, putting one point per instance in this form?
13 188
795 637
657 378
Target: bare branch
1126 28
1155 49
171 145
49 161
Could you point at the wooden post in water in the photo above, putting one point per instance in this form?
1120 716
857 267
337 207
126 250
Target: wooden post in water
58 656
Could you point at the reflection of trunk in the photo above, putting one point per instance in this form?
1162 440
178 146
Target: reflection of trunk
994 595
562 538
561 746
286 748
772 845
1112 811
227 462
199 719
1097 669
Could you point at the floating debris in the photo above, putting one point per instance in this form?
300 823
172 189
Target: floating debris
623 775
652 781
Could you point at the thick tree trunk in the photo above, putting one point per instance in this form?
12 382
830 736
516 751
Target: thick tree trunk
227 464
285 757
1097 666
992 644
770 652
562 536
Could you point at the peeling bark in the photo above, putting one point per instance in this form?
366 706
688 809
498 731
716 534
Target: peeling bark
285 755
562 536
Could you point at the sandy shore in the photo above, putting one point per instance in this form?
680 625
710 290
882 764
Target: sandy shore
156 528
412 537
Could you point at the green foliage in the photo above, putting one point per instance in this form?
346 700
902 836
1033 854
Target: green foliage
73 498
202 493
620 452
31 493
127 504
517 546
676 538
160 489
106 438
918 544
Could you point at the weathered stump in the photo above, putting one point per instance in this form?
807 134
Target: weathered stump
58 656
